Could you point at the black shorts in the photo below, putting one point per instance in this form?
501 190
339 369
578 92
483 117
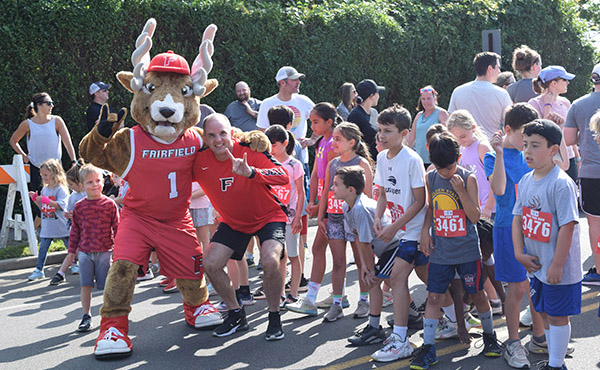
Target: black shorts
385 263
238 241
590 201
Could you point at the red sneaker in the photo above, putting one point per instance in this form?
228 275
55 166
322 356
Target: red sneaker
164 282
171 287
205 315
113 340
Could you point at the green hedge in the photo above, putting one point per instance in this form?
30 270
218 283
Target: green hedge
61 46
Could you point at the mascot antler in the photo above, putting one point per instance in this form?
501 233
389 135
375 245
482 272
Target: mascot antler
203 63
140 58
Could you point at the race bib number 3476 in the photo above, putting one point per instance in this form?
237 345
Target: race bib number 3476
537 225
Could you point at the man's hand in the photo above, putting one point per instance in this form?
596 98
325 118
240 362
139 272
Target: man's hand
240 166
109 123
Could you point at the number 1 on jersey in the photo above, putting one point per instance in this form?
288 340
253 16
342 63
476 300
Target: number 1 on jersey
173 180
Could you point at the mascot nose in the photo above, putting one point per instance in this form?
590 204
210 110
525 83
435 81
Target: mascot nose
166 112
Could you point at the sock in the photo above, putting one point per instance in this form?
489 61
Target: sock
401 332
344 288
244 289
374 320
429 330
495 301
557 347
540 340
364 296
450 312
486 322
61 273
413 309
313 290
274 317
337 299
547 335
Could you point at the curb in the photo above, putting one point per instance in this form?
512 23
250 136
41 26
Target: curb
31 261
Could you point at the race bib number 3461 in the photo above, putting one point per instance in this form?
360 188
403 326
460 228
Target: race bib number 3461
537 225
450 223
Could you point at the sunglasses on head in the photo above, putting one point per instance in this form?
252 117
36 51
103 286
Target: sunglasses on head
48 103
427 89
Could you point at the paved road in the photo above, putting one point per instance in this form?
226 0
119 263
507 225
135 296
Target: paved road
39 322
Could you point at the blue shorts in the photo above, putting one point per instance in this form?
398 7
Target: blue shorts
555 300
507 268
440 276
409 251
94 264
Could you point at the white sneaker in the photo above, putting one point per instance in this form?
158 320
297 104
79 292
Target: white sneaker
362 310
149 275
335 312
328 301
446 329
516 355
393 349
388 299
526 319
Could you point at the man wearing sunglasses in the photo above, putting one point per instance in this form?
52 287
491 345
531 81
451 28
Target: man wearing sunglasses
99 93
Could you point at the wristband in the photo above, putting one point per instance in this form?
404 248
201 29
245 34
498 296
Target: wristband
578 159
34 197
45 200
548 104
74 161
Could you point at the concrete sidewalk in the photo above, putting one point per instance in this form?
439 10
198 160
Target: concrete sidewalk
31 261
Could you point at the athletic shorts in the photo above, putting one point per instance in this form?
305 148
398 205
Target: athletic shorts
555 300
202 216
238 241
440 276
409 251
590 201
335 228
385 263
175 242
507 268
93 264
291 241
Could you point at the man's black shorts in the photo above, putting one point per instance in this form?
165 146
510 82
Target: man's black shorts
238 241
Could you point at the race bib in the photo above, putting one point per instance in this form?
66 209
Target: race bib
282 192
320 189
334 205
396 211
450 223
376 190
537 225
47 211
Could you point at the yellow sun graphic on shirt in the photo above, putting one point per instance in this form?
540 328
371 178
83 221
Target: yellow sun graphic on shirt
444 200
297 116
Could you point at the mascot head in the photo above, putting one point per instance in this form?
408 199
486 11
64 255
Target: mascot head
166 92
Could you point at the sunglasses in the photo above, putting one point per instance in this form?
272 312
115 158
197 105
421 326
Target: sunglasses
48 103
427 89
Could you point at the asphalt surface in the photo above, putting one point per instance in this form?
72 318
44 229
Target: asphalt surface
39 325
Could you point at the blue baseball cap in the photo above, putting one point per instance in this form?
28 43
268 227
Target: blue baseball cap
551 72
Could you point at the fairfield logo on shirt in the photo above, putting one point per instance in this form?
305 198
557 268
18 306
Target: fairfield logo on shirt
168 153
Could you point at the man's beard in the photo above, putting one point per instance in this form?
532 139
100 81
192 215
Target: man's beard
243 98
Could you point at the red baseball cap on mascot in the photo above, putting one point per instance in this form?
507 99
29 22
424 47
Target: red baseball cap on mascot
169 62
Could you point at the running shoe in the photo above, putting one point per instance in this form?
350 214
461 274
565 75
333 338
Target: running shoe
542 348
491 348
303 306
362 310
526 320
496 307
85 324
246 299
516 355
250 261
274 330
424 358
149 275
171 287
367 335
591 277
75 269
222 307
393 349
57 279
235 321
471 322
446 329
335 312
259 294
543 365
164 282
36 274
327 302
388 299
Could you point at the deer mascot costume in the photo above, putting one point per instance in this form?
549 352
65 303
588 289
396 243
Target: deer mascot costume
156 158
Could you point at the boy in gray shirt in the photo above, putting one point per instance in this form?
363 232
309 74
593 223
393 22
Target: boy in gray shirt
545 222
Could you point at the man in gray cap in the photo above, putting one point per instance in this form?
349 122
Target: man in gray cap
288 80
99 93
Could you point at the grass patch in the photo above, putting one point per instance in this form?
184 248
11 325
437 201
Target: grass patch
17 251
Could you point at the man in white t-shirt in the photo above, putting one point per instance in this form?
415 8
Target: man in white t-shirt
288 80
484 100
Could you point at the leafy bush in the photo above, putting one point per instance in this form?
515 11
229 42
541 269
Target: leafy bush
62 46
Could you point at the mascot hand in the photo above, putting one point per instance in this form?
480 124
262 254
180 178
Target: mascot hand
258 141
109 123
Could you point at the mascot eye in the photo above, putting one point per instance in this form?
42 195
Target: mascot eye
186 91
149 87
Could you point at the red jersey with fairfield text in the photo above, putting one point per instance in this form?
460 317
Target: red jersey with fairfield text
160 175
245 204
